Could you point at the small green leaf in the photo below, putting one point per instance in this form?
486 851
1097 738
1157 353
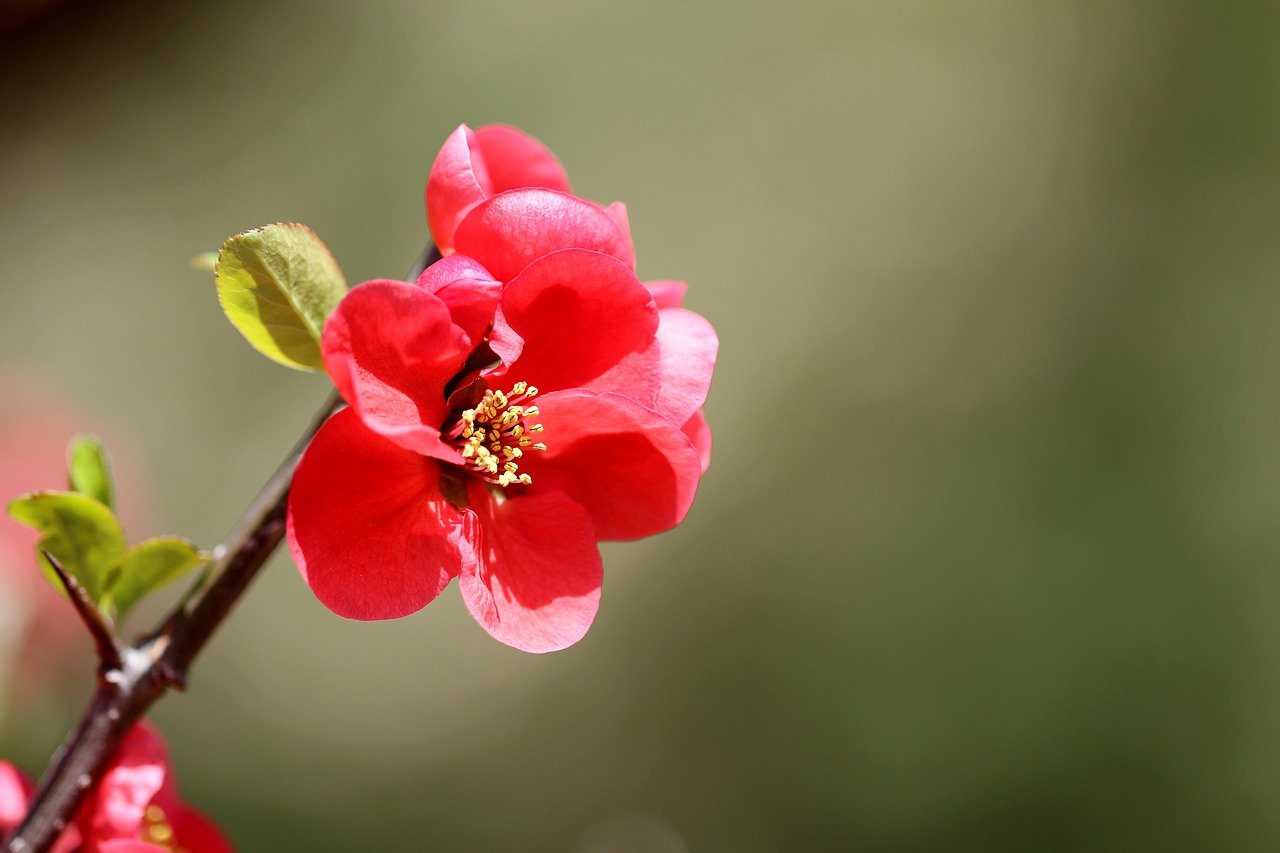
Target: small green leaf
149 566
89 470
81 533
277 285
205 261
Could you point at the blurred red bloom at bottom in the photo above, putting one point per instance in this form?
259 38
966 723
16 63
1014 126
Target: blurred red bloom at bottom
134 809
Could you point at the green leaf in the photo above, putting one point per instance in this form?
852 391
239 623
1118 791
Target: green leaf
81 533
277 285
89 470
205 261
149 566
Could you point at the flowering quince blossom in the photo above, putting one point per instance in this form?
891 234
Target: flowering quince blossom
40 636
32 454
134 808
525 398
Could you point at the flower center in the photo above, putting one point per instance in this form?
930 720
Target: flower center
156 830
496 433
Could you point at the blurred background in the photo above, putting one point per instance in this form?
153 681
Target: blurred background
988 555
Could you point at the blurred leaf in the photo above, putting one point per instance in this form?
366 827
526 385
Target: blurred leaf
81 533
89 470
277 285
205 261
149 566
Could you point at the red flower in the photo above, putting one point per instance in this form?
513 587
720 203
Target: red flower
440 469
134 808
445 465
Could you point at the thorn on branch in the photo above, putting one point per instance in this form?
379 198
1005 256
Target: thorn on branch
170 676
103 637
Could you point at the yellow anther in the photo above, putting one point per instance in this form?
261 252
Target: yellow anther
159 834
156 829
491 436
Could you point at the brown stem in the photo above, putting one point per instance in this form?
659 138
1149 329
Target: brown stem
103 638
134 677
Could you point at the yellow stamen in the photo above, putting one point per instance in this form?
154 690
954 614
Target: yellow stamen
157 830
494 433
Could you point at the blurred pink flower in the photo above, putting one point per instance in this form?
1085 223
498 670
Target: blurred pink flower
39 632
34 432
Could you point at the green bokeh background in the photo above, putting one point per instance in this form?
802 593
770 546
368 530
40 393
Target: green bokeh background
988 555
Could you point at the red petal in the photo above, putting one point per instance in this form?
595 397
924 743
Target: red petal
15 793
450 270
135 777
700 434
70 842
508 231
570 317
127 845
515 159
533 580
688 345
633 470
195 833
391 348
458 182
667 293
368 527
618 213
468 289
